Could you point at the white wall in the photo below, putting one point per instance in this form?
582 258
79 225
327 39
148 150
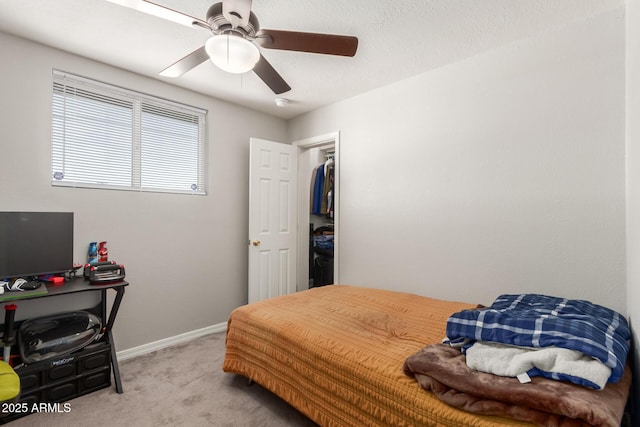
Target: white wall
500 173
185 256
633 185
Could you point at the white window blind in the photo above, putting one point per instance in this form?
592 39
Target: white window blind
108 137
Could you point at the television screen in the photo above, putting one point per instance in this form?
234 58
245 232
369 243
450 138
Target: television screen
35 243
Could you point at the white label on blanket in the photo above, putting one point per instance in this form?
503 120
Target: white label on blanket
524 378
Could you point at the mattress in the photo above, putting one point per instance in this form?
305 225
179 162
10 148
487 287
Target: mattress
336 353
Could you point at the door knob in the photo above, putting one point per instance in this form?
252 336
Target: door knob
255 242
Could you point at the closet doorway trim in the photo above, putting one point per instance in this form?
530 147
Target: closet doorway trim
332 138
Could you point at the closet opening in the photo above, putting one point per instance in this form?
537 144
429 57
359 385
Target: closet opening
318 211
321 221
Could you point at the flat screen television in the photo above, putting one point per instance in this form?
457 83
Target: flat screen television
35 243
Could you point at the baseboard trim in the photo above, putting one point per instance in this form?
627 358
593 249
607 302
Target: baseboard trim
168 342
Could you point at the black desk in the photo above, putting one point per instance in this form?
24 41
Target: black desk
81 285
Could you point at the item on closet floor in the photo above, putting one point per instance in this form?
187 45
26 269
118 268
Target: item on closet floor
323 271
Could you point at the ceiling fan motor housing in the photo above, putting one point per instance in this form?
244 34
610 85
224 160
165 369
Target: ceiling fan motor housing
220 25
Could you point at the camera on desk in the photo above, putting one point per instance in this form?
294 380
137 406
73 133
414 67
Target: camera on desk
104 272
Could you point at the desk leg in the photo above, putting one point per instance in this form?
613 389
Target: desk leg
114 364
114 307
110 321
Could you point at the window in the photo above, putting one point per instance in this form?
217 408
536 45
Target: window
108 137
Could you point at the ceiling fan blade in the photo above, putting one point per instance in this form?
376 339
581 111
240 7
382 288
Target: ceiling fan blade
237 12
185 64
162 12
270 76
329 44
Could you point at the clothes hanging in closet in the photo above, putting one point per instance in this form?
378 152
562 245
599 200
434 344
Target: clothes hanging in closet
317 189
328 193
323 192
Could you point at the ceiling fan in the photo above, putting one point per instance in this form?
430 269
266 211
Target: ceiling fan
236 35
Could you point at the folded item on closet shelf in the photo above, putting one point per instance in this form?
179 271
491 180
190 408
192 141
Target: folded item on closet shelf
324 241
549 362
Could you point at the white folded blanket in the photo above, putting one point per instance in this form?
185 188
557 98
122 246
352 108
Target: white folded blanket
510 361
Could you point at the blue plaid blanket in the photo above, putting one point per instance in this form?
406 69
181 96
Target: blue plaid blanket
531 320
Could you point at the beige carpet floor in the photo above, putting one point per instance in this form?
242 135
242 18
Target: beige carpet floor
182 385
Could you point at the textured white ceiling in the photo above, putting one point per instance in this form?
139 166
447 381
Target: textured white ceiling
397 39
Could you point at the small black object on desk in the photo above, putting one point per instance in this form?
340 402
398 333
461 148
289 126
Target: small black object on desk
19 284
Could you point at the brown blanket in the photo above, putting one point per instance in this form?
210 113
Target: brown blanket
443 370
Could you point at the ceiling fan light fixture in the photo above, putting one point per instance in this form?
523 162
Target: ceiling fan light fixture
231 53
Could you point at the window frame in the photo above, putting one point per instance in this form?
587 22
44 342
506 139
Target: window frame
63 83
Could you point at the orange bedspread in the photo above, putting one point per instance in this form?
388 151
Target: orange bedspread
336 354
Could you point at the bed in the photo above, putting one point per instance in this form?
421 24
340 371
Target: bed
339 355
